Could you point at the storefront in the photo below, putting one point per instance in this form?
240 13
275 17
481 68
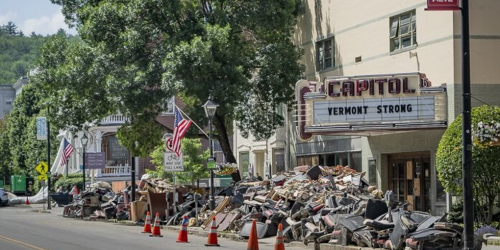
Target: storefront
390 126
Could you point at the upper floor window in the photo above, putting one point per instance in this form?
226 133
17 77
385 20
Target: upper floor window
403 31
8 102
325 54
169 110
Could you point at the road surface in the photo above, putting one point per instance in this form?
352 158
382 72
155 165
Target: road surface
23 229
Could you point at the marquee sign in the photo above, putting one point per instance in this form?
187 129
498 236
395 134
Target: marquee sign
354 104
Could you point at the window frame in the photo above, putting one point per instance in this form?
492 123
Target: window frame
167 111
321 59
396 25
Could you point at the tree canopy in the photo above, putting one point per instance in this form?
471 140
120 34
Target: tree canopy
485 163
17 53
136 54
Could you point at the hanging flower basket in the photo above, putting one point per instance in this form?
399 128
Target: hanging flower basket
226 169
486 134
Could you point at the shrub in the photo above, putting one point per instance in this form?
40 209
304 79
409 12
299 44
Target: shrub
72 179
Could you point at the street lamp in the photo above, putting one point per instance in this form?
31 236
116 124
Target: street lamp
84 140
210 108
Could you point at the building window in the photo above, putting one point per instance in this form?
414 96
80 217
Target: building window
8 102
403 31
169 109
279 160
325 54
244 161
351 159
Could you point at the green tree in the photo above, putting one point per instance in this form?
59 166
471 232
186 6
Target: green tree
5 156
138 53
24 147
194 159
485 163
17 53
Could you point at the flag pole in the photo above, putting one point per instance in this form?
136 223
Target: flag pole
192 121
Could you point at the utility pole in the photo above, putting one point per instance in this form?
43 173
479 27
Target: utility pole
466 133
49 177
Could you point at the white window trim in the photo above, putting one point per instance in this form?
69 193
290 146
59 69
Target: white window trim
320 45
412 33
166 112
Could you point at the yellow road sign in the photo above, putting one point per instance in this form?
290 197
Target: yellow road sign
42 177
42 168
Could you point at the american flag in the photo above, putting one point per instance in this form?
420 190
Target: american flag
181 125
67 150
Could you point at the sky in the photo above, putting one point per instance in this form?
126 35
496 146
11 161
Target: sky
40 16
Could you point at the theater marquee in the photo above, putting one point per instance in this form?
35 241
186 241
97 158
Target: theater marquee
369 105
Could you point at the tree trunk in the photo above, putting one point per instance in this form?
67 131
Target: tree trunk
220 125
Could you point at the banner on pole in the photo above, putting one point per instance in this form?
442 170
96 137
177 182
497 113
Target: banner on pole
41 128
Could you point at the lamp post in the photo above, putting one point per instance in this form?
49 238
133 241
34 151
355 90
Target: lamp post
84 140
210 109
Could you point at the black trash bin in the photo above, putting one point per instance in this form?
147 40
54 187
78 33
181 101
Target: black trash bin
62 199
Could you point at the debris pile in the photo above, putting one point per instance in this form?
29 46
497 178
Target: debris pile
334 205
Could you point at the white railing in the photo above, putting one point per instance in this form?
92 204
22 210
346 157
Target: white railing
114 119
114 171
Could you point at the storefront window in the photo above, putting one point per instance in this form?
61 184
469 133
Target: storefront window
372 172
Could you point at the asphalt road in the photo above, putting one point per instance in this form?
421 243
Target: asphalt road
23 229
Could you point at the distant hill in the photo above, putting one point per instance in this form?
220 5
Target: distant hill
18 52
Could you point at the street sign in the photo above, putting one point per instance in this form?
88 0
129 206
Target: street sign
42 168
95 160
443 5
173 163
41 128
211 163
42 177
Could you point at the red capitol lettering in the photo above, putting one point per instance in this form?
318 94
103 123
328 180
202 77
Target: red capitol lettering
395 86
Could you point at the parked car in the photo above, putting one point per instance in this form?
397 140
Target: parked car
4 198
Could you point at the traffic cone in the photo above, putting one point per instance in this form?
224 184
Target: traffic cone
156 227
212 236
279 239
147 225
253 242
27 201
183 233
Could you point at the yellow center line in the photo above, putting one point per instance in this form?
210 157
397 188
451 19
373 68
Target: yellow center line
20 243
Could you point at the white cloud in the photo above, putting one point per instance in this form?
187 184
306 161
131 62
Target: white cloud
4 19
45 25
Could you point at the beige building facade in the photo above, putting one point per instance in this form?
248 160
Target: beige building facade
354 41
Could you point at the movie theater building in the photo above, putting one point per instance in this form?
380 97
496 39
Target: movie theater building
382 82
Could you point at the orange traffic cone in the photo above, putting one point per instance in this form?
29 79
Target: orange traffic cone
156 227
27 201
253 242
147 225
279 239
183 233
212 236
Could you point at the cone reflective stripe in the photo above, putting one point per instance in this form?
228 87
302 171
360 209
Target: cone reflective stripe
183 234
156 227
147 225
253 242
212 236
279 239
